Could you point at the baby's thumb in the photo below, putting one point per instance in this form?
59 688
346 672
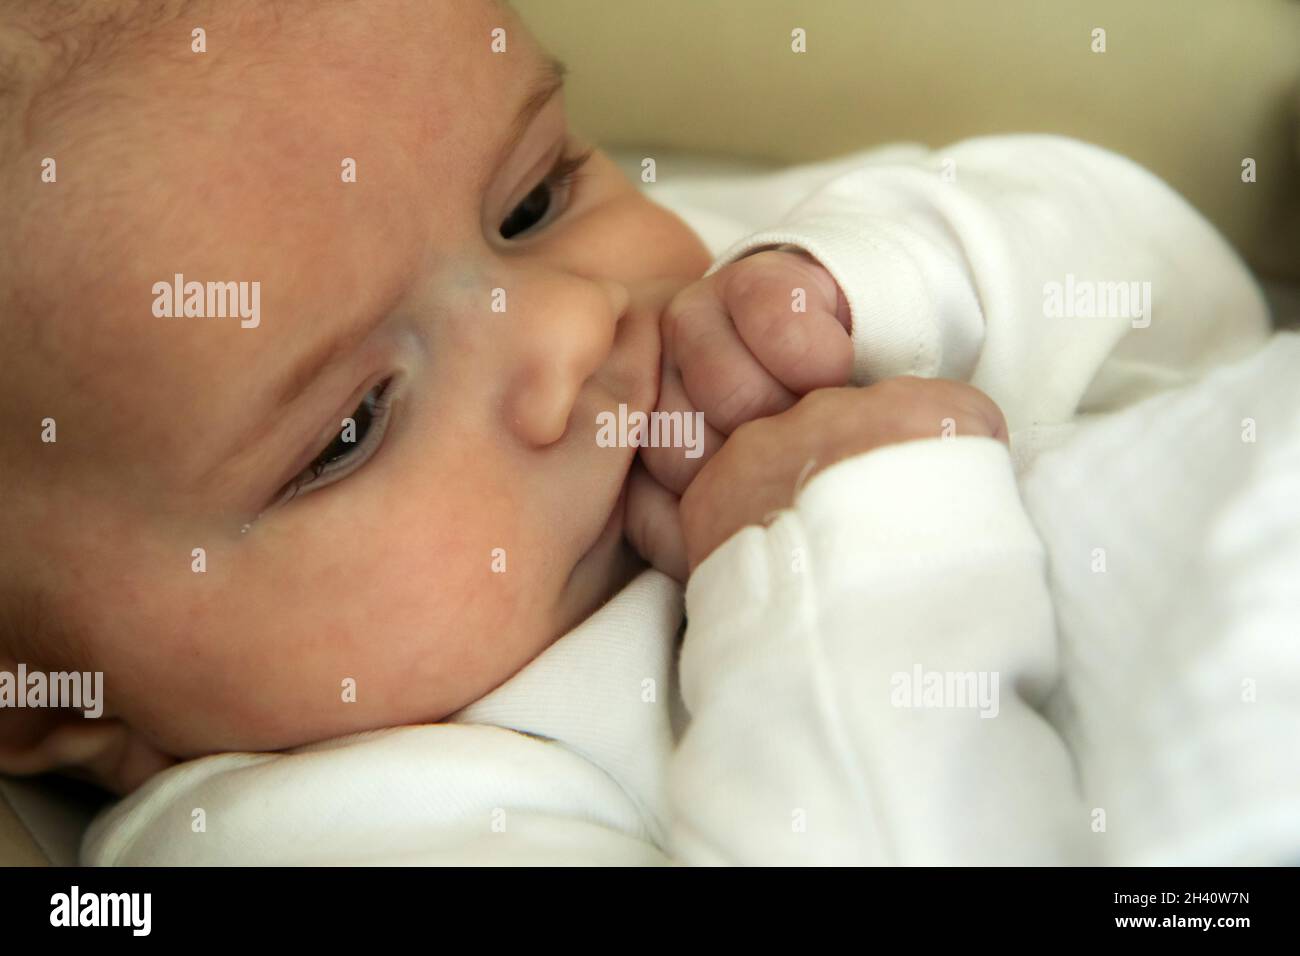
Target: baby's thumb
652 524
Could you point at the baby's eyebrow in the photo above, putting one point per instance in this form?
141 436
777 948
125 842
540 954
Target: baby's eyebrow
549 81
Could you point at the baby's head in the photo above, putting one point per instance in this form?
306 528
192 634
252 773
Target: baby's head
387 179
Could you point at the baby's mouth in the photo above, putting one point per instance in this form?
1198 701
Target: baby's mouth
631 376
603 546
614 523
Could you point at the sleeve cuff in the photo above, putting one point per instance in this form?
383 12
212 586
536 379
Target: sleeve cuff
894 328
926 504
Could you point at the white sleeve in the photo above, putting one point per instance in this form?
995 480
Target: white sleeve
864 676
1054 275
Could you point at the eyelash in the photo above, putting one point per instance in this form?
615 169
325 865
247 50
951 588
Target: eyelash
568 170
563 176
378 411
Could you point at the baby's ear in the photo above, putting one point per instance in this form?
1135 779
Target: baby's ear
102 750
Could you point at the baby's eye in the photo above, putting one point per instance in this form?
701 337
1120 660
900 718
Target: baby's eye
356 443
563 175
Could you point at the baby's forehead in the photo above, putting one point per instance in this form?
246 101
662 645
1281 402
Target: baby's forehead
232 171
276 114
409 60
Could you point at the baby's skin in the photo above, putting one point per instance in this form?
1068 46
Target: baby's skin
246 575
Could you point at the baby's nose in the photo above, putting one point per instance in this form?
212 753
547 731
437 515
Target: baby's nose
564 342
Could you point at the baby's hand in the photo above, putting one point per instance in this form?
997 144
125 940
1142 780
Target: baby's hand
740 344
758 469
756 335
747 342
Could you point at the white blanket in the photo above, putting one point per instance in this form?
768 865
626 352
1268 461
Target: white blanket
1173 536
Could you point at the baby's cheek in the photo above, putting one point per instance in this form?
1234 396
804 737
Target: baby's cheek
346 611
686 253
675 249
631 238
454 585
288 635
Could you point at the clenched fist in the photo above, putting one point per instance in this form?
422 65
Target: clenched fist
746 342
758 470
743 343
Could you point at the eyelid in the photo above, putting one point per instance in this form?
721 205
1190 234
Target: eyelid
571 166
563 174
291 487
560 142
532 115
549 128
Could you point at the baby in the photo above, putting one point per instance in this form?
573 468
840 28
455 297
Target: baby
376 304
312 310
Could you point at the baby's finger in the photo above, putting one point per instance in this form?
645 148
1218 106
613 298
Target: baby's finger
744 482
675 465
721 377
803 350
652 524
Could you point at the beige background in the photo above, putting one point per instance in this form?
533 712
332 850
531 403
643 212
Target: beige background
1186 87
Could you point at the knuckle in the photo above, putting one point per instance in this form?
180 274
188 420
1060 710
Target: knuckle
759 315
681 324
950 407
751 280
741 399
837 361
911 387
665 467
747 433
824 400
669 324
697 501
752 439
803 358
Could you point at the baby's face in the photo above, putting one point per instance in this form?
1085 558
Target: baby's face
474 518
